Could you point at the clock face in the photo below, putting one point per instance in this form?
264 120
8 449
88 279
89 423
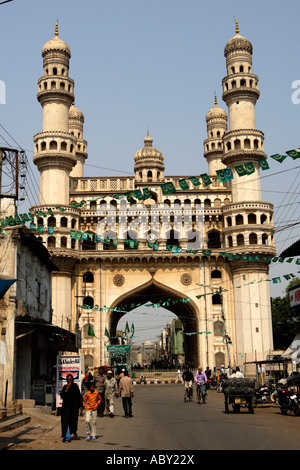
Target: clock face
151 238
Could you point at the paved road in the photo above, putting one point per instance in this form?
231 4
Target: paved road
162 421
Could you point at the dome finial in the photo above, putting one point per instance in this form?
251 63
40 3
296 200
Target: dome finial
56 28
237 29
216 99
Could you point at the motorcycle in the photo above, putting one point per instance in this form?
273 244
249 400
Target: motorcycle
287 400
263 395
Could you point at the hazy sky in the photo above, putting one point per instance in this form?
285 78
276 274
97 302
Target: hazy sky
156 64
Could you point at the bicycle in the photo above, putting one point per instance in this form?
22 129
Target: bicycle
201 393
188 393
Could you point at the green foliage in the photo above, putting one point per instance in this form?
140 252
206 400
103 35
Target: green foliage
285 323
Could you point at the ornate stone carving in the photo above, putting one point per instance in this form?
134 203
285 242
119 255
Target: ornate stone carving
186 279
119 280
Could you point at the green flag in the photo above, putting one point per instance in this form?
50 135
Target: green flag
240 169
40 228
90 330
195 181
228 174
168 188
147 193
293 153
206 179
221 176
263 164
138 193
183 184
279 158
50 230
249 167
276 280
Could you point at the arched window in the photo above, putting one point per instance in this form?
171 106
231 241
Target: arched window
173 238
51 242
53 145
88 301
51 222
251 219
88 277
239 219
240 239
264 239
63 242
253 239
218 328
89 243
214 240
216 299
216 274
63 222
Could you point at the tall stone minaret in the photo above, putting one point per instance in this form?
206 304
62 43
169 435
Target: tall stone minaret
55 146
243 143
56 154
216 120
248 221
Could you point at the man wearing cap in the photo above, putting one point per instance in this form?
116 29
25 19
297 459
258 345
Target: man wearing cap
111 390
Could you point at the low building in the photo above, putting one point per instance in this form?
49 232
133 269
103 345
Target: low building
30 337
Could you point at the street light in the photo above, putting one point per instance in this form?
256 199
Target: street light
226 337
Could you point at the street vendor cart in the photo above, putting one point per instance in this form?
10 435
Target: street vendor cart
239 392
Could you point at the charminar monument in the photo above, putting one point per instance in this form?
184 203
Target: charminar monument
198 245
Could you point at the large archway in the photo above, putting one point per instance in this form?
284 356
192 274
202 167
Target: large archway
156 292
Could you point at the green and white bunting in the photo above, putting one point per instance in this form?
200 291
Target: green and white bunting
279 158
294 154
206 179
240 169
263 164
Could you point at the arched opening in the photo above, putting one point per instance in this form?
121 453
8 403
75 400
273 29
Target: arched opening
214 240
154 297
88 243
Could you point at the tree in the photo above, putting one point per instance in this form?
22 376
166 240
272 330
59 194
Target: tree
285 323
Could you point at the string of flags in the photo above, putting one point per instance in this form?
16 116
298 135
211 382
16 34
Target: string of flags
168 302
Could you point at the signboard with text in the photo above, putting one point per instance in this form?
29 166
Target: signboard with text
67 365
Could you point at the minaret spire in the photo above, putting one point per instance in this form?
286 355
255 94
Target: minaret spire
237 29
56 28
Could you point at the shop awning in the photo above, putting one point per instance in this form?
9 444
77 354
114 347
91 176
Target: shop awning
63 340
5 283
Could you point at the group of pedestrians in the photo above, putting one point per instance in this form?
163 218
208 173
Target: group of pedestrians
97 400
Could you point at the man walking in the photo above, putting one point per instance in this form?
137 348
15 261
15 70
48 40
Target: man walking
126 392
99 380
111 390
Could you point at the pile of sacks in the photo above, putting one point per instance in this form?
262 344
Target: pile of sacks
240 386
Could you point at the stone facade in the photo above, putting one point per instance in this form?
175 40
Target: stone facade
222 217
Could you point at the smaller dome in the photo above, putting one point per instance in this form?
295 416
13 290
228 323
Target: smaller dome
56 44
75 113
237 43
216 112
148 152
